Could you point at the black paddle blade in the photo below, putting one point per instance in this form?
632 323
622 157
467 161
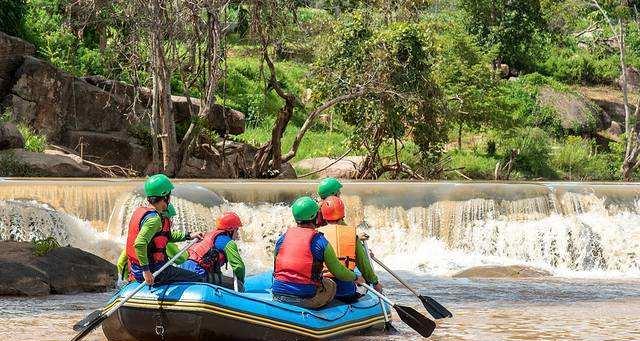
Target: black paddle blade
415 320
434 308
89 327
86 321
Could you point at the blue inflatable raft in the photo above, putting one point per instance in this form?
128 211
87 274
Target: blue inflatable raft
199 311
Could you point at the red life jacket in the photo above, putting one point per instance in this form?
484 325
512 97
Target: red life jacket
158 244
294 262
205 254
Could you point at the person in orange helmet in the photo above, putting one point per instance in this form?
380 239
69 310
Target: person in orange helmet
348 247
216 249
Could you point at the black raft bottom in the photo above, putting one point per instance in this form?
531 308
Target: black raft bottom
140 324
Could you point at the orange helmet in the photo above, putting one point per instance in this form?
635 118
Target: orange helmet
332 208
228 221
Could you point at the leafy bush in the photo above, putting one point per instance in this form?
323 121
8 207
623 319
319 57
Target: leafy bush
42 246
580 67
11 166
12 16
32 141
534 151
573 156
472 164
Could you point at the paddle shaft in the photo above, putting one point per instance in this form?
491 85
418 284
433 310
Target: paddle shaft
380 296
139 287
394 275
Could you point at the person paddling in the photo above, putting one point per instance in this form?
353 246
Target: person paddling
216 249
326 188
349 250
299 258
150 232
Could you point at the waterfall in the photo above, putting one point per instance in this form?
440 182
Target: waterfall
581 230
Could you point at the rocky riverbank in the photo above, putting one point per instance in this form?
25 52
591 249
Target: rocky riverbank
62 270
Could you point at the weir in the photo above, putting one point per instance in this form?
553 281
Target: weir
571 229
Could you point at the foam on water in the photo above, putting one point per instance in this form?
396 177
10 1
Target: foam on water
570 234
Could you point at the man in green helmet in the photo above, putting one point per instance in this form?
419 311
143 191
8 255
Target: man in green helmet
149 234
301 253
326 188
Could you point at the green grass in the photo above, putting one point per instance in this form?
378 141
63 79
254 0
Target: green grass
42 246
474 165
32 141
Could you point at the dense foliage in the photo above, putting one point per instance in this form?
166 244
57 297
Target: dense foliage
450 88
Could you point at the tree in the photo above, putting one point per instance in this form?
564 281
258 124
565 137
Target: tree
471 87
509 26
394 62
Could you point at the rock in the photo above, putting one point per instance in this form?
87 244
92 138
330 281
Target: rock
51 163
616 129
512 271
12 52
610 100
10 136
633 79
347 168
61 271
19 279
71 270
109 149
215 119
577 113
63 102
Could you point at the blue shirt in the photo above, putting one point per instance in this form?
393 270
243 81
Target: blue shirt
318 244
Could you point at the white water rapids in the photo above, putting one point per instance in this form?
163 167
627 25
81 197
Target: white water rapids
570 233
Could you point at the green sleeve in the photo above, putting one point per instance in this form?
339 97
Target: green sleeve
172 250
178 236
364 264
122 266
234 259
149 228
335 266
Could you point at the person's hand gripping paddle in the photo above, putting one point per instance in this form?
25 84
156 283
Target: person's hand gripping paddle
95 319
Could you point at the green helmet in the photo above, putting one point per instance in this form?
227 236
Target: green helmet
304 209
329 187
158 185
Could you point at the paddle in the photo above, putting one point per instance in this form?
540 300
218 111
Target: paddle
433 307
418 322
93 320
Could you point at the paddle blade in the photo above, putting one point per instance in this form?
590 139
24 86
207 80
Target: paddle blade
86 321
415 320
434 308
90 326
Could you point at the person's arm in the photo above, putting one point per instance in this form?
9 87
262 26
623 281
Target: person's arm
234 259
122 265
336 267
179 236
364 264
150 226
173 249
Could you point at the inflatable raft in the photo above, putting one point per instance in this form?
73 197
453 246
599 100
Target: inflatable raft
199 311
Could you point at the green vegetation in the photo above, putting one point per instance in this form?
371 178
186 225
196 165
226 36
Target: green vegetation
447 89
42 246
32 141
10 166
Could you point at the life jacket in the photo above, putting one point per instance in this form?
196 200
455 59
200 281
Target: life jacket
156 249
294 262
205 254
343 240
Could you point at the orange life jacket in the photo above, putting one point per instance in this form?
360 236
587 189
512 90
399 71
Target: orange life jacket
156 249
205 254
294 262
343 241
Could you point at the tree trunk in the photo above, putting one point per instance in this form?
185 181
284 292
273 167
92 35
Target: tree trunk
460 136
162 93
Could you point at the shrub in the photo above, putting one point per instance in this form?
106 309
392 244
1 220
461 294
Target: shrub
11 166
42 246
473 165
32 141
573 156
534 150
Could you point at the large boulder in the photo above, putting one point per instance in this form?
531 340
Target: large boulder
109 149
50 163
346 168
216 118
62 270
633 79
576 112
510 271
10 136
12 50
58 102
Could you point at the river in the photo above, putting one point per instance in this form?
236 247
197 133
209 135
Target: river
586 235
